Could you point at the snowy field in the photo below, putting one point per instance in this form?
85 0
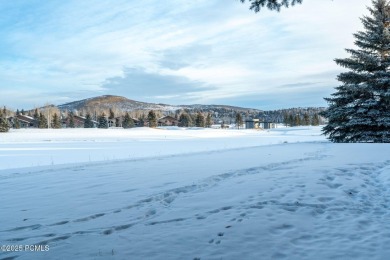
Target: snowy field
171 193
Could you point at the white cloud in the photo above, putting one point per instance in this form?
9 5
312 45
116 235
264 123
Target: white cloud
75 46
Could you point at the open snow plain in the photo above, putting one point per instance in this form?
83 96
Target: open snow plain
192 194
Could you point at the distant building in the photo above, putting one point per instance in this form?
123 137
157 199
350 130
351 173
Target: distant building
252 124
167 121
256 124
78 122
268 125
10 120
25 121
111 122
136 121
116 122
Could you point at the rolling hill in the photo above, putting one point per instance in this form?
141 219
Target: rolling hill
124 104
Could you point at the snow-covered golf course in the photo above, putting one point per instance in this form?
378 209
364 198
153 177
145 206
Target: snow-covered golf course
175 193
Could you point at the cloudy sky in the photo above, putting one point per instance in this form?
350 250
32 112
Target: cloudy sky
173 51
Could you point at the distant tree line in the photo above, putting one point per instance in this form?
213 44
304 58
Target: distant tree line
195 120
52 117
290 119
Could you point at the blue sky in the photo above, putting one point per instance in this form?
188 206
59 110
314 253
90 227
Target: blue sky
173 51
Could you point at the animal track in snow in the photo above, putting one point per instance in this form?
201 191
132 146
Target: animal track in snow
90 217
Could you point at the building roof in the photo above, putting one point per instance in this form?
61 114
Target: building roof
79 117
25 118
167 117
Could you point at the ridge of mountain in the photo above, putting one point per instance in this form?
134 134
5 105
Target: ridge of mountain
224 113
125 104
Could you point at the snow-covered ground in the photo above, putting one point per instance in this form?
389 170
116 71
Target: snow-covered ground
193 194
38 147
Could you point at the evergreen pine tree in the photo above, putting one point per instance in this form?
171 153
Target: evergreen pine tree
16 123
208 120
291 120
315 120
297 120
36 117
239 120
102 121
359 111
22 112
17 112
128 122
152 118
4 127
42 123
256 5
184 120
88 121
56 121
141 121
36 114
286 119
71 120
199 120
306 119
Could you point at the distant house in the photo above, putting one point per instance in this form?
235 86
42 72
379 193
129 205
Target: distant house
256 124
115 122
268 125
136 121
25 121
167 121
252 124
111 122
78 121
10 120
95 123
118 122
64 122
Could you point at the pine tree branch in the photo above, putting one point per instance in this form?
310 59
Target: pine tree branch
256 5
